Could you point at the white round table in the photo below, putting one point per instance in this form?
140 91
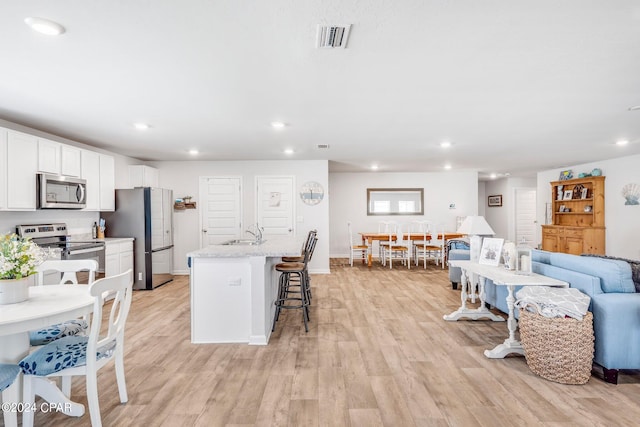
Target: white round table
47 305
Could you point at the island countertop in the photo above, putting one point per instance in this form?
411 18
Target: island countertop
273 246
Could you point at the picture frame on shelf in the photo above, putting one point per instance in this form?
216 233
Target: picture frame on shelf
559 192
495 200
568 195
561 208
491 251
565 175
584 193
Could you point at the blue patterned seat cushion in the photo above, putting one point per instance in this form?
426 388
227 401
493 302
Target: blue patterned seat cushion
60 354
51 333
8 374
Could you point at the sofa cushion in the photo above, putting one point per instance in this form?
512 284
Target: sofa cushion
635 268
615 275
541 256
585 283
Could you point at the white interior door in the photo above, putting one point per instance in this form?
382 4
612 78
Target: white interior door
275 204
221 213
525 216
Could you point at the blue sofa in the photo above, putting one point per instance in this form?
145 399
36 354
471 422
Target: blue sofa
615 304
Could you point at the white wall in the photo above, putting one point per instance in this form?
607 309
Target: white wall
622 221
183 179
349 201
502 218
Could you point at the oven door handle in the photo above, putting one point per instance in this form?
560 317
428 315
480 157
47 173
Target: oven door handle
86 251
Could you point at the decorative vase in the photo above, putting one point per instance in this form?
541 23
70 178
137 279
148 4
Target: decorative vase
15 290
509 255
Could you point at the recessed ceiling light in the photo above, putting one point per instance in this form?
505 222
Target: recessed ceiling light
288 151
374 167
193 152
141 126
622 142
44 26
445 144
447 166
278 125
493 176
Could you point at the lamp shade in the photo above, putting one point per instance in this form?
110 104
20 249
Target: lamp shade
476 226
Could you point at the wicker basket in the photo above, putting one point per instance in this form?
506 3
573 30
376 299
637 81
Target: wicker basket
558 349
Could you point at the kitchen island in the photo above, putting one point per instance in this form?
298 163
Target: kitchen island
233 290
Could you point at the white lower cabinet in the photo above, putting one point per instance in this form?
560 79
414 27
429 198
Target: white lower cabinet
118 257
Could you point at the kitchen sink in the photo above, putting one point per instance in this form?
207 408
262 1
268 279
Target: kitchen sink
242 242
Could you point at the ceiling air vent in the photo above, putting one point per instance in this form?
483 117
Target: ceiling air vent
333 36
323 146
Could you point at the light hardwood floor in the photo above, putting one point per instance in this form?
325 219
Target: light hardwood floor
378 353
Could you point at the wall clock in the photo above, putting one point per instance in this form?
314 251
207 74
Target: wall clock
311 193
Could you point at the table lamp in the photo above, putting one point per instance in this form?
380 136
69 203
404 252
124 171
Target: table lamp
475 227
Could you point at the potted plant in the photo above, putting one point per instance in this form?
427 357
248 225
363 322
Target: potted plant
18 260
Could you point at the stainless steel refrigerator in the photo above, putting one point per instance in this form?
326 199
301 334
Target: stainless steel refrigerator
146 214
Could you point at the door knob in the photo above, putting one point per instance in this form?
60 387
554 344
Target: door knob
204 230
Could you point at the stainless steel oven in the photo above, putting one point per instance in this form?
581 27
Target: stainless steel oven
54 237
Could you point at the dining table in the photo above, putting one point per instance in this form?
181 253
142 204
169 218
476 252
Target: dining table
46 305
369 237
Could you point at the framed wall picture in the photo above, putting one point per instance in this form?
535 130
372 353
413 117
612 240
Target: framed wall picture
568 194
495 200
491 251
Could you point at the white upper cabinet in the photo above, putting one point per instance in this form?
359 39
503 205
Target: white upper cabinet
107 183
91 173
3 168
58 159
48 156
143 176
22 156
70 160
22 165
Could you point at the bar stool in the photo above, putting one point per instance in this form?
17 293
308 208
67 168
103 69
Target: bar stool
300 258
293 286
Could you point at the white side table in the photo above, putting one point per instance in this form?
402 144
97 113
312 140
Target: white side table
500 277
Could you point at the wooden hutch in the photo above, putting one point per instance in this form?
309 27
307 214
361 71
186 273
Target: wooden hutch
577 225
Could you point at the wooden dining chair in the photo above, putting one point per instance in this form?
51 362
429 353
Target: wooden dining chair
81 355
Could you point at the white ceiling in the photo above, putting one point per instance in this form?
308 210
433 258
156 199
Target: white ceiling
516 86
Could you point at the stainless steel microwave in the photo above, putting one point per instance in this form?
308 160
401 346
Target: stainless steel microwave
60 192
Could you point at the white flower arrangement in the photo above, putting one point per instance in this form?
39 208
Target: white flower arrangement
19 257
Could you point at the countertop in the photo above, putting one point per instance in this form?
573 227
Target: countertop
106 240
274 246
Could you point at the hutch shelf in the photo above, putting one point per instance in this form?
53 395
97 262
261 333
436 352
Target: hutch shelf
577 225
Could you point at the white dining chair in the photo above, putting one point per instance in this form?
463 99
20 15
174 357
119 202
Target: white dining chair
68 270
420 228
386 227
8 374
400 249
434 249
80 355
355 248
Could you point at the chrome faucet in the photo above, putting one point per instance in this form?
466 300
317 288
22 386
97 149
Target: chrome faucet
257 233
